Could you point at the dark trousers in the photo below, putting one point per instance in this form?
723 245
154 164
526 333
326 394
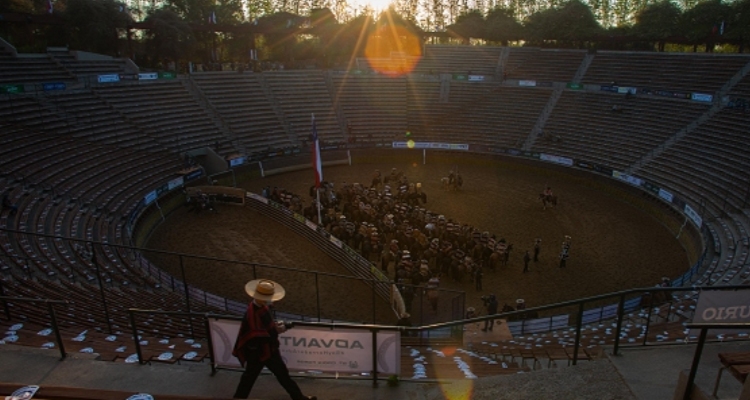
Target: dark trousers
488 324
276 365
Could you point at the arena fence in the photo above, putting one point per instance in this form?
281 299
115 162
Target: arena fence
622 313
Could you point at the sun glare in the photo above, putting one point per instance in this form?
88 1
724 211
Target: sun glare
392 50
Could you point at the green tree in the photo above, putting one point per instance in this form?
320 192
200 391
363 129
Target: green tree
657 22
93 24
169 36
738 27
702 23
468 25
501 26
571 25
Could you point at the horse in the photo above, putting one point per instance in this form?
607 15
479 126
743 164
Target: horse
548 199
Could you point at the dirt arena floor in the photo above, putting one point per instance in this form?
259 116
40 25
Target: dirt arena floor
615 246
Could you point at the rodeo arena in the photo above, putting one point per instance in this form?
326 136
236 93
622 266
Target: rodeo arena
433 235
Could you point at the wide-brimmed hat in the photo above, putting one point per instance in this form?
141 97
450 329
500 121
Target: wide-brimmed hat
265 290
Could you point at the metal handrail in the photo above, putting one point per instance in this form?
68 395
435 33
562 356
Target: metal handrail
52 315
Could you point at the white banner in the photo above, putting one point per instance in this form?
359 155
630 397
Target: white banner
666 195
707 98
108 78
627 178
150 197
626 89
526 83
317 349
175 183
311 225
692 214
556 159
148 76
431 145
476 78
257 197
723 306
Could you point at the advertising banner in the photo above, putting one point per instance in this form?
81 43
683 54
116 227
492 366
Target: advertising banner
167 75
574 86
150 197
128 77
460 77
666 195
316 349
722 306
476 78
108 78
690 213
431 145
12 89
236 161
627 178
556 159
526 83
193 175
257 197
175 183
53 86
608 88
148 76
626 89
706 98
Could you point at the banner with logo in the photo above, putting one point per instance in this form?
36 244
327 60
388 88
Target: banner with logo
693 215
556 159
527 83
626 89
627 178
430 145
476 78
574 86
12 88
706 98
148 76
108 78
49 86
317 349
666 195
722 306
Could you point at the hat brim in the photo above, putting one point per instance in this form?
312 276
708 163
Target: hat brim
251 288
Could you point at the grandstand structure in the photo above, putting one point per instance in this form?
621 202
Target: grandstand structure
80 159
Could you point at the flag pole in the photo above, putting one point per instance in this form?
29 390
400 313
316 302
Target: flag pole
320 221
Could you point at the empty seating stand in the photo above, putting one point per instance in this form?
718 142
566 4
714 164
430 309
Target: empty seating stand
542 65
31 68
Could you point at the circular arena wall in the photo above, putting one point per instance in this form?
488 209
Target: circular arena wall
623 237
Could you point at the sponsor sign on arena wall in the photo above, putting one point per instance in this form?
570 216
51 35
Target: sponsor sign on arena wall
430 145
53 86
723 306
317 349
526 83
627 178
690 213
476 78
666 195
556 159
707 98
108 78
148 76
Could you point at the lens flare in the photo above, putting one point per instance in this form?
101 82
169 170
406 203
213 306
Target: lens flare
392 50
410 144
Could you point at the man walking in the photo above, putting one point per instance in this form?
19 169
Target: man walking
491 304
257 343
537 248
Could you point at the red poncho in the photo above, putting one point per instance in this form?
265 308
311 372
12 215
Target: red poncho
263 335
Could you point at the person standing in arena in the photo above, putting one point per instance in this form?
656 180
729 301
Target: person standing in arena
537 248
257 343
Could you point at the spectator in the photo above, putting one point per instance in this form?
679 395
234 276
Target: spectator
491 304
257 343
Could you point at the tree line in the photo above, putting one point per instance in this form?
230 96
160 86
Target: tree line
331 32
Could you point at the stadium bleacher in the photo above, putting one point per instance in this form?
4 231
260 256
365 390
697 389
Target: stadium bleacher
77 162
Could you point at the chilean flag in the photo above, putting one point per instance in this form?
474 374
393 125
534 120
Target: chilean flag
316 155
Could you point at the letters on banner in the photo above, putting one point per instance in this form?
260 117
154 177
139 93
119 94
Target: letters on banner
317 349
722 306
